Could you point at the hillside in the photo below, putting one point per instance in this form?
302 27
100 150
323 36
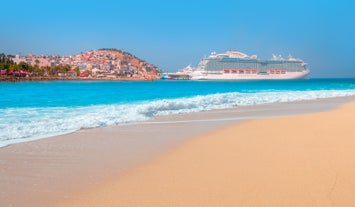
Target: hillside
101 63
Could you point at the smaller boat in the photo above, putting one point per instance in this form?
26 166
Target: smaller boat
165 76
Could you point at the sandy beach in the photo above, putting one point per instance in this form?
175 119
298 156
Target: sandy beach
303 160
180 104
266 155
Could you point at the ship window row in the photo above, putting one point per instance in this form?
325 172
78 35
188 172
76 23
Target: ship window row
264 67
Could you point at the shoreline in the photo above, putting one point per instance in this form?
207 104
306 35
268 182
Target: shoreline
50 78
29 79
180 118
240 166
56 168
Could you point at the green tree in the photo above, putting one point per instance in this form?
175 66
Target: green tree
65 68
22 66
14 67
77 70
36 70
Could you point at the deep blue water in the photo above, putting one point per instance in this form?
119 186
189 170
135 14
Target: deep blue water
31 110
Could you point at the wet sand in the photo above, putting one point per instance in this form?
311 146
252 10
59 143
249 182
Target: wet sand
159 163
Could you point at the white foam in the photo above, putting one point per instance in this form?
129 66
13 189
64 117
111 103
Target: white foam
25 124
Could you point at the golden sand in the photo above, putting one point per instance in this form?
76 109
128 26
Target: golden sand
303 160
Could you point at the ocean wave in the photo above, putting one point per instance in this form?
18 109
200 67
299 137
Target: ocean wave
25 124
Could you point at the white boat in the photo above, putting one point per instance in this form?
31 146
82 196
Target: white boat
234 65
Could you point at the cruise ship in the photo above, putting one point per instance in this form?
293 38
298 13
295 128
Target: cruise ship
234 65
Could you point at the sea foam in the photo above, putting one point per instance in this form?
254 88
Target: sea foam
25 124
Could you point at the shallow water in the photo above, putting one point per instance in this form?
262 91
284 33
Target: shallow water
33 110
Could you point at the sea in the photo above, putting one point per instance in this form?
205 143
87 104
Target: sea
35 110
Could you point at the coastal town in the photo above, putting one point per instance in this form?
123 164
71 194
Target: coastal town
106 64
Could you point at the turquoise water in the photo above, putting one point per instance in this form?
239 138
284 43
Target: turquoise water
32 110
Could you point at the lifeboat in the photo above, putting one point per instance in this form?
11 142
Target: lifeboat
234 71
226 71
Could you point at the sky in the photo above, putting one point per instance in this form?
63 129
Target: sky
173 34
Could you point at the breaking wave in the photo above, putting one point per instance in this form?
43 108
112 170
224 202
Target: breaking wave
25 124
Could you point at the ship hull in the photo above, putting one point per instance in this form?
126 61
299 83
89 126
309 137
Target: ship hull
202 75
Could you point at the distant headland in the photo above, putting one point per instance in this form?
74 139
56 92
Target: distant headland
101 64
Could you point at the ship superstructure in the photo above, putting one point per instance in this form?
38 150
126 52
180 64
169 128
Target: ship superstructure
234 65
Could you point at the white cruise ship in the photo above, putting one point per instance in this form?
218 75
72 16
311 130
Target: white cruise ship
234 65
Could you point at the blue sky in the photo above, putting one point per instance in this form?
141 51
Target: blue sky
173 34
